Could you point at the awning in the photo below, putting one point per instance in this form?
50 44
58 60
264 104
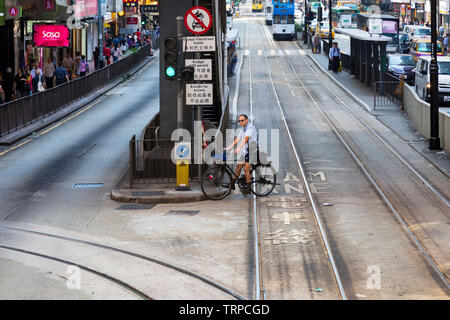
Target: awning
362 35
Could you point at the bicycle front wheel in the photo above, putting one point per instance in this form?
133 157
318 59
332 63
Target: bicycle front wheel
216 183
264 180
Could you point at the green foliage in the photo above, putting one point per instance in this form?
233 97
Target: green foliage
298 27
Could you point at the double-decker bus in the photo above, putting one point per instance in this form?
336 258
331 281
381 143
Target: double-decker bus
390 28
344 17
283 19
268 9
257 5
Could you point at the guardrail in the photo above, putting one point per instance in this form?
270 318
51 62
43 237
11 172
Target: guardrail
388 93
24 111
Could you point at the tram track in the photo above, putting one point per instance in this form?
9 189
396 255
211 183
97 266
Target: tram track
259 283
311 200
113 249
97 273
384 196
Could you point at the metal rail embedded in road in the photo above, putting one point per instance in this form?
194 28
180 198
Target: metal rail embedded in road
308 189
132 254
418 243
122 284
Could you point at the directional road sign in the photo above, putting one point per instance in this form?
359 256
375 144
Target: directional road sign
182 150
198 20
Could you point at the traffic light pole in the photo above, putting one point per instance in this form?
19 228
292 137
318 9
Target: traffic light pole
179 68
435 143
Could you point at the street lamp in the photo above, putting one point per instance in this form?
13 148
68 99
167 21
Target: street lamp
305 37
330 34
435 143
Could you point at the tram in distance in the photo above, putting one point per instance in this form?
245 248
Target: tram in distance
257 5
268 10
283 19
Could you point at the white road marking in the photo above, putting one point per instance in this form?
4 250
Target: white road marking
286 218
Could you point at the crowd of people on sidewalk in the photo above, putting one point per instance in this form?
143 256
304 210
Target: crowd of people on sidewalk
32 79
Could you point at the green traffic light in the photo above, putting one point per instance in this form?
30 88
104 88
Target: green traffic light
170 72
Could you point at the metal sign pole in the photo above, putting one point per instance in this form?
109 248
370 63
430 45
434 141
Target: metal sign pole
434 80
198 114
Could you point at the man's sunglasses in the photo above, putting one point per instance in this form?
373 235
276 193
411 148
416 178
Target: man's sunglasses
241 120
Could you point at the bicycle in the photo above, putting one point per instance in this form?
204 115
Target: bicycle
216 182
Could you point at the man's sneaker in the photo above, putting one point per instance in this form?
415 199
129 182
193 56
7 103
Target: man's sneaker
246 190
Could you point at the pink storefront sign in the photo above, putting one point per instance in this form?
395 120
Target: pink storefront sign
46 35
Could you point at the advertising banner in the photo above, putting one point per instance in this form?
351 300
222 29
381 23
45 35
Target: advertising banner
46 35
85 8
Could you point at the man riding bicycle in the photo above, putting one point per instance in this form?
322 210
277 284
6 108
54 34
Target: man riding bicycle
247 139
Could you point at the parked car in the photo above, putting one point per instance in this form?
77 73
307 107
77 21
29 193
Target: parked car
422 78
404 43
401 66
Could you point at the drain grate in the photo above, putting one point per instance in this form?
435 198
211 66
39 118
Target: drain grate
182 213
87 185
136 206
147 193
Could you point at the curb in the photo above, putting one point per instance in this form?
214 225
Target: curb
179 197
39 124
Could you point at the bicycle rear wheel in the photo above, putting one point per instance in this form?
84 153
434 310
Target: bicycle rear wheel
216 183
264 180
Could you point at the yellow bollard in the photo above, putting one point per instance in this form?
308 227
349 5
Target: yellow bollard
182 157
182 176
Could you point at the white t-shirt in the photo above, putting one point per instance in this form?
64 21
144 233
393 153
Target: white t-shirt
249 131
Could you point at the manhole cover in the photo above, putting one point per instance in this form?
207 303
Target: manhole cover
182 212
136 206
147 193
87 185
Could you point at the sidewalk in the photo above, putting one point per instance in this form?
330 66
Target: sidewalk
15 136
395 119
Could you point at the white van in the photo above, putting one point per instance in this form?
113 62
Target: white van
422 77
417 31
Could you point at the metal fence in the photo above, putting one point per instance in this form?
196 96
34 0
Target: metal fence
388 93
151 162
24 111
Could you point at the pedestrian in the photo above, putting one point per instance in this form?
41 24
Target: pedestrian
29 85
123 47
446 43
107 54
116 54
49 70
83 66
61 75
20 81
33 69
37 82
335 57
8 84
2 92
230 57
96 55
115 42
316 43
68 64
